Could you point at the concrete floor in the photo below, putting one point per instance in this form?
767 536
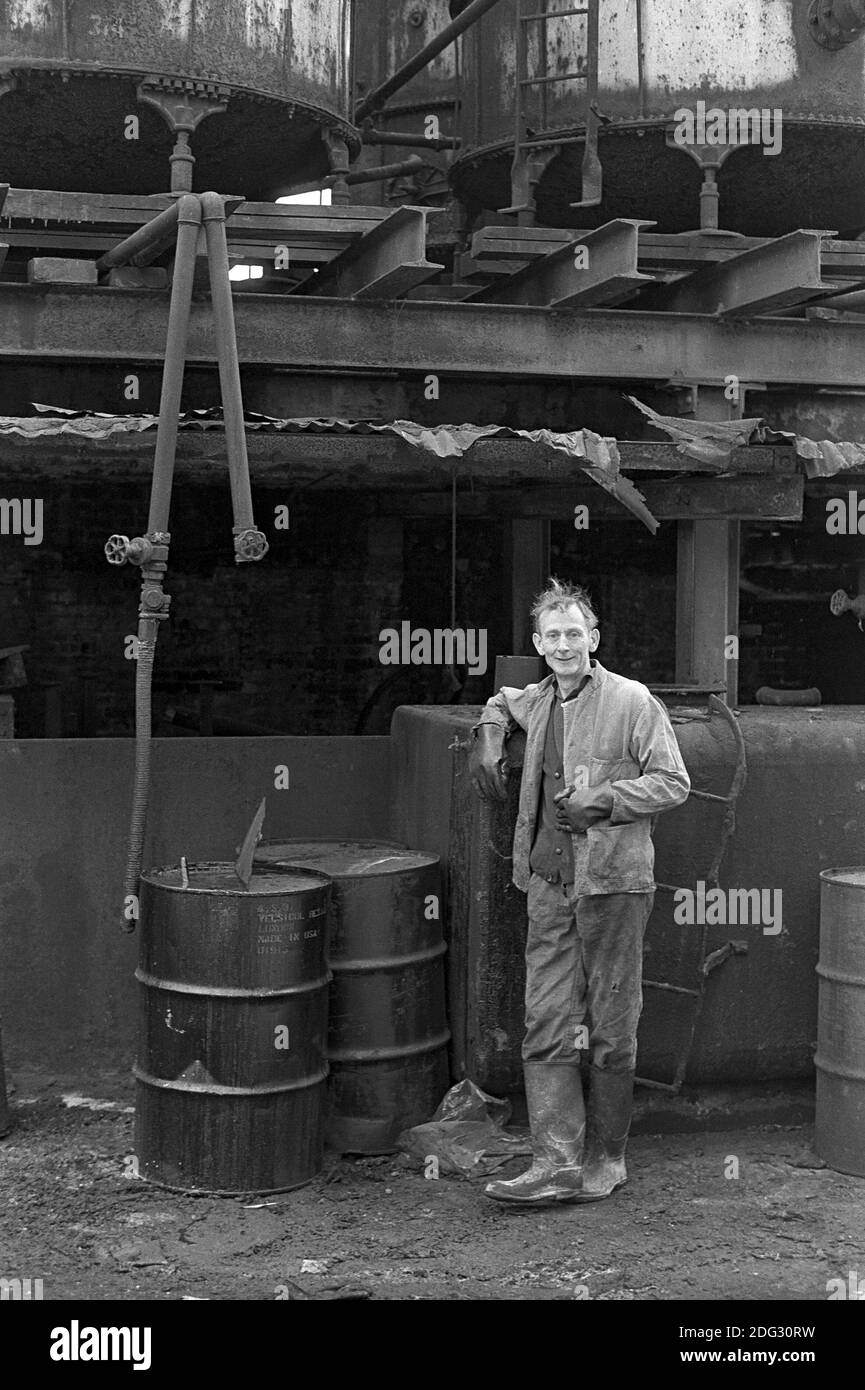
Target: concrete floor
377 1228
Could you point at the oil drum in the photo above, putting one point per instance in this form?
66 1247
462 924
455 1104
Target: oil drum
388 1037
231 1073
839 1130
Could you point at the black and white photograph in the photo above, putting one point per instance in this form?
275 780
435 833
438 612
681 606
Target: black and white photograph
432 671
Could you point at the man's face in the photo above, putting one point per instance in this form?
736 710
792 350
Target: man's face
566 640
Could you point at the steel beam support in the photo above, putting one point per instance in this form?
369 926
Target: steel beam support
495 250
707 582
675 499
778 275
380 459
600 268
474 341
383 264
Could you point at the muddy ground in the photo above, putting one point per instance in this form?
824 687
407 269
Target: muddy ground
378 1228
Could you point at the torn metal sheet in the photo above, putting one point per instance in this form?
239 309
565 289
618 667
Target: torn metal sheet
596 455
713 441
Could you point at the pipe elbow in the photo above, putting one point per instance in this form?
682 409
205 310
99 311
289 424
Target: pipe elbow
189 209
212 207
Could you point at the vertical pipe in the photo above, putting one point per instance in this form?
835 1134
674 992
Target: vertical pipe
229 366
188 224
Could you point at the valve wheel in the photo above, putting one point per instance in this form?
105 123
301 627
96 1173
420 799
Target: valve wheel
117 550
839 603
250 545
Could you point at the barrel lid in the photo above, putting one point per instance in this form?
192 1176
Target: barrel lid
854 876
345 858
221 878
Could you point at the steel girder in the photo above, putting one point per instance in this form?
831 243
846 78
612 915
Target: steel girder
608 276
477 341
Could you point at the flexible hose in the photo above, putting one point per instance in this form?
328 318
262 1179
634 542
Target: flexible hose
147 632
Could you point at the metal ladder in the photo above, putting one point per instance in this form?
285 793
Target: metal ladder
532 154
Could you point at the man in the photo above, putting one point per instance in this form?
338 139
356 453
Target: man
601 761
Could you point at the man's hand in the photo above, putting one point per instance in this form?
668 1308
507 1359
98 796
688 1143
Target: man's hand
487 767
578 808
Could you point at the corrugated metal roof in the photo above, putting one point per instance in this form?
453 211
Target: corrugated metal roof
594 454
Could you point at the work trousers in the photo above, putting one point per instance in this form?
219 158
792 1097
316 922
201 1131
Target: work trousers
584 966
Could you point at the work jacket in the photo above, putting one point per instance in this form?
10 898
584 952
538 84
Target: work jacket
615 732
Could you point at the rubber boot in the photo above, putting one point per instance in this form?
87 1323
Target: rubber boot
611 1101
557 1116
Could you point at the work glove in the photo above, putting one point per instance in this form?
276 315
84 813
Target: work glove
579 807
488 769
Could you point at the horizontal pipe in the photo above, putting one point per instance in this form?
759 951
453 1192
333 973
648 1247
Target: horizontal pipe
406 137
378 96
385 171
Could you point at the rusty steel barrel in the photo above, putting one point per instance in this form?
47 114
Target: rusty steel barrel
388 1037
839 1129
5 1115
231 1071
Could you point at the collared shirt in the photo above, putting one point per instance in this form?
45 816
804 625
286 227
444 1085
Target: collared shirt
617 735
552 854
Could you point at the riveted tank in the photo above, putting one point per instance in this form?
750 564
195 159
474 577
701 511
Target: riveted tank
253 83
392 34
776 60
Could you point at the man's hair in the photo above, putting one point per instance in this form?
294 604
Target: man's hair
559 595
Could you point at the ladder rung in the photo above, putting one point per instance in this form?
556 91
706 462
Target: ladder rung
551 14
564 77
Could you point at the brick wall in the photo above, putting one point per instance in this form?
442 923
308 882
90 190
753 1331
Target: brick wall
298 634
631 577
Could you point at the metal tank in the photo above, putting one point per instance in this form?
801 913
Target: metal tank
655 58
391 35
252 84
754 1017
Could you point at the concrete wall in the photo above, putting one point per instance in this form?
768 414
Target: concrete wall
67 992
66 970
802 810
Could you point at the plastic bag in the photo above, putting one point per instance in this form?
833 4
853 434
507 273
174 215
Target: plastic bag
466 1134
